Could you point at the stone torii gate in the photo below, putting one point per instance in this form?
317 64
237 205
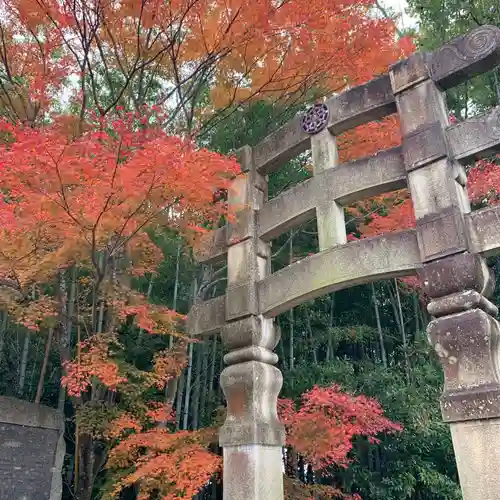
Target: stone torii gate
447 250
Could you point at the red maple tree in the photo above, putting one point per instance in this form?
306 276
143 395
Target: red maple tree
89 172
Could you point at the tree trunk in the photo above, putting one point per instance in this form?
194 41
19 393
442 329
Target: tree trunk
171 388
65 333
148 295
416 313
211 377
203 384
30 392
311 336
196 388
24 363
329 347
178 403
3 333
301 469
291 339
403 331
383 354
85 475
280 345
43 371
187 396
176 289
291 466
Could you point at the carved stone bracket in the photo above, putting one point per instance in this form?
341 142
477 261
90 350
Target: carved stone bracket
465 335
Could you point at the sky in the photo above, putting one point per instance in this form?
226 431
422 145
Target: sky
400 6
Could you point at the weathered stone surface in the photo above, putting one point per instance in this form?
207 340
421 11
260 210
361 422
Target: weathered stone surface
207 318
420 106
263 478
329 214
243 227
455 274
212 246
459 302
433 189
467 345
471 404
31 451
250 383
241 301
464 333
441 234
248 261
466 56
464 343
288 210
357 106
244 156
484 231
251 353
247 190
476 443
355 263
279 147
366 177
325 155
475 137
409 72
348 183
361 105
251 391
251 331
424 146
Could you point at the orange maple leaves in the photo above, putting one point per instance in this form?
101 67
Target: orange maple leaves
120 52
174 465
323 427
483 183
67 199
93 360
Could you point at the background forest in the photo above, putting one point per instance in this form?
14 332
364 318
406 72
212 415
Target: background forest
116 119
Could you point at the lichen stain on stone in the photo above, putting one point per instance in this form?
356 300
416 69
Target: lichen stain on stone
441 351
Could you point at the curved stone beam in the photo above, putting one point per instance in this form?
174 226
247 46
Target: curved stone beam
348 183
355 263
212 246
475 137
484 231
361 104
469 55
281 146
370 176
208 317
356 106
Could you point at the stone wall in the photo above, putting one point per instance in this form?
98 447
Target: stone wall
32 451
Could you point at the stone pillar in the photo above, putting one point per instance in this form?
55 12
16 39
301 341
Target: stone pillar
329 215
463 331
252 436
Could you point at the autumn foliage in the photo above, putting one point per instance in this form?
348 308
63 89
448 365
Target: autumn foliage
322 430
104 107
124 53
323 427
